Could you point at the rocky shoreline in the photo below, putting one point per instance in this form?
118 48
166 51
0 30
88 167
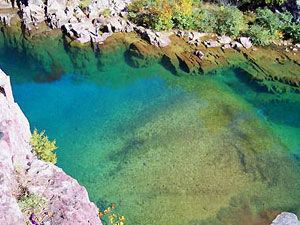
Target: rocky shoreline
22 173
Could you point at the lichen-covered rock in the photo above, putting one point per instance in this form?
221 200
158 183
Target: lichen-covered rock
21 170
286 218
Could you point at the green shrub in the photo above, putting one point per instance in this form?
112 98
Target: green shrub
205 20
230 21
275 22
43 147
182 21
293 31
260 35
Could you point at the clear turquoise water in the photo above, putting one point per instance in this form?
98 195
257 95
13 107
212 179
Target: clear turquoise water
214 149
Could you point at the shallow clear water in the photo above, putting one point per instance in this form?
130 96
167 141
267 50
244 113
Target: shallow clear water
214 149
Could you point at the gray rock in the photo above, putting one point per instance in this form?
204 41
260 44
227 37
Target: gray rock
211 44
246 42
286 218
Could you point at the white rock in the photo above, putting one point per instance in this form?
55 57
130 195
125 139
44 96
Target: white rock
246 42
224 39
286 218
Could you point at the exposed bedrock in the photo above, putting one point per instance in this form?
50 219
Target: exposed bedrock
22 174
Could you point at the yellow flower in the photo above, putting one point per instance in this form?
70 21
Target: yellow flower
122 218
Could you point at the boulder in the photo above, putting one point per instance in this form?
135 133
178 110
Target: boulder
211 44
236 45
159 39
226 46
246 42
199 53
286 218
224 39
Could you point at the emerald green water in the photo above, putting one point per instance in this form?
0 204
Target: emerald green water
208 149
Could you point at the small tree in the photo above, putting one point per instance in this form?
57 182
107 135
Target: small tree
43 147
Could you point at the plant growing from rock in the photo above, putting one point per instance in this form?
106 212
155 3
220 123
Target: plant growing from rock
33 205
43 147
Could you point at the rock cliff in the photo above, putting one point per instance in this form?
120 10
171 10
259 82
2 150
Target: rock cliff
22 174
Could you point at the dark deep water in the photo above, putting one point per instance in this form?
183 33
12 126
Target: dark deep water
214 149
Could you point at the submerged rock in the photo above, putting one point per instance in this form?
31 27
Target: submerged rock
21 171
286 218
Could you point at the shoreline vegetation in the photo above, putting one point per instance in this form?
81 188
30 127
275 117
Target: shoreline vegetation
186 37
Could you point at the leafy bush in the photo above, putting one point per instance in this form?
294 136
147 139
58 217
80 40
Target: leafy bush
182 21
293 31
43 147
260 35
230 21
161 17
205 20
256 3
156 14
275 22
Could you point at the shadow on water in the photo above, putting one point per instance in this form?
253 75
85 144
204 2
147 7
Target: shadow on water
271 105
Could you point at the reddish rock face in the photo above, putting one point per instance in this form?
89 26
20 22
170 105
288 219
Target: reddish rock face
68 202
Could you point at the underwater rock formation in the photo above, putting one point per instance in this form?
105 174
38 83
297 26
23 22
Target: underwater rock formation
286 218
22 174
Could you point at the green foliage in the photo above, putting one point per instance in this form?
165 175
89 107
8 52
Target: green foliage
32 203
260 35
182 21
230 21
293 31
256 3
43 147
265 25
205 21
274 22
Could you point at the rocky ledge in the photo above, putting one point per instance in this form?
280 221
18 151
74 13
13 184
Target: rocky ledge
22 174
